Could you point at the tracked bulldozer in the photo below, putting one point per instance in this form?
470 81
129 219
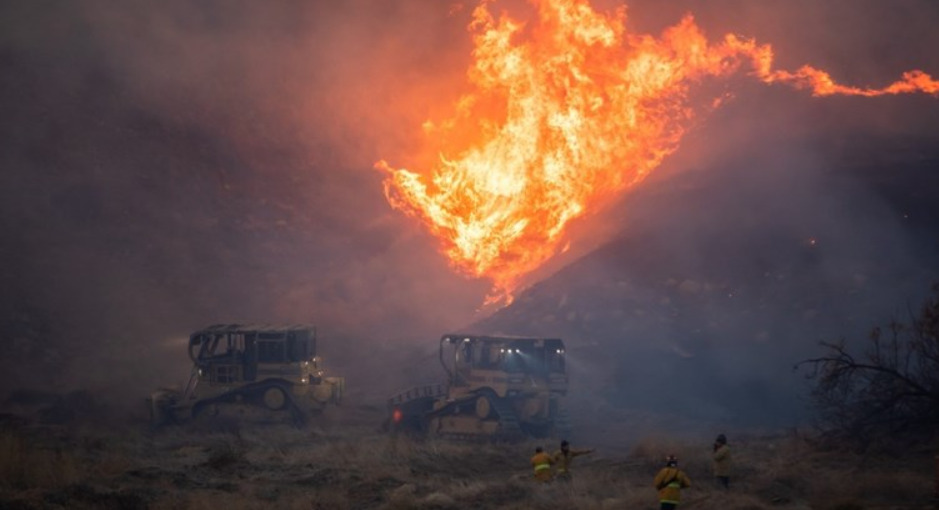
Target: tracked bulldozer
252 371
498 388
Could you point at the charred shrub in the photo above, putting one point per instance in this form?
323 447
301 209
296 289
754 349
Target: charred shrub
887 393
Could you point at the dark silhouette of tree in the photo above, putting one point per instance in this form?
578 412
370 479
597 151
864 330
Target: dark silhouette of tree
890 391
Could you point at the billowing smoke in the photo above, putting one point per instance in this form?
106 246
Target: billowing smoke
175 165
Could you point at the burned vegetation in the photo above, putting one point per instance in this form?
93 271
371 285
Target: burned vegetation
886 394
344 463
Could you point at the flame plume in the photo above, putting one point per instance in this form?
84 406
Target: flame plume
566 114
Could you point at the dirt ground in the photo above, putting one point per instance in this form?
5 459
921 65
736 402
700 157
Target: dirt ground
70 451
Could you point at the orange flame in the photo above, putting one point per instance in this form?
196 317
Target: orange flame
566 114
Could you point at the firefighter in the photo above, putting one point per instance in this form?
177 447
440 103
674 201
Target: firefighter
563 458
541 462
669 483
721 456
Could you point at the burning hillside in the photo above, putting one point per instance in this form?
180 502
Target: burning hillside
714 309
567 112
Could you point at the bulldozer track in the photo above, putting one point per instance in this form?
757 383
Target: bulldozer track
254 394
509 427
499 388
253 368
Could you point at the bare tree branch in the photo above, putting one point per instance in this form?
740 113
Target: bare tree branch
893 388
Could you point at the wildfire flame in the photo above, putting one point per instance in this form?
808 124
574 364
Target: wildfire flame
565 114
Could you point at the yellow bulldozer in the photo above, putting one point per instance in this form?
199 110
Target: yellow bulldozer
498 388
254 371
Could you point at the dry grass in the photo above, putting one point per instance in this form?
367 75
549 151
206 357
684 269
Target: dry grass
24 465
355 467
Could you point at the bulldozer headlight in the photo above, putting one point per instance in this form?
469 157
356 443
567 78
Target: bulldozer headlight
304 380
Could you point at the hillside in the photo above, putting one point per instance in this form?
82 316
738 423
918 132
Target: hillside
713 291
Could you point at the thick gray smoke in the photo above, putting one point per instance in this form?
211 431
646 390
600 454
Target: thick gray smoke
174 164
168 166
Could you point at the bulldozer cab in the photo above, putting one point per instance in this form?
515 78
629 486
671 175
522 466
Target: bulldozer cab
227 354
251 369
506 363
498 387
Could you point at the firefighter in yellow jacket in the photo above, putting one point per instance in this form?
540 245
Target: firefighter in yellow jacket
722 461
541 463
669 482
564 457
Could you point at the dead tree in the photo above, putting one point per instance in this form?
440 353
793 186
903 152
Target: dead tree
890 391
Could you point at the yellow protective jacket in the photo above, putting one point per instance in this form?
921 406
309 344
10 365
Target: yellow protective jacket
669 483
563 462
541 463
722 460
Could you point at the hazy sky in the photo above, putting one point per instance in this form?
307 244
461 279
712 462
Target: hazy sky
174 164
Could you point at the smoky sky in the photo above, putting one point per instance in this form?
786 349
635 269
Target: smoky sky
175 164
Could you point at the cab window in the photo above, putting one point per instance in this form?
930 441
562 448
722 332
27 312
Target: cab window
271 351
555 361
297 348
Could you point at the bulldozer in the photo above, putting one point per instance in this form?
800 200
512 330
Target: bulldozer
498 388
254 370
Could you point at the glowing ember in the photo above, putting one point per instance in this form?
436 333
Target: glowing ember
567 113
